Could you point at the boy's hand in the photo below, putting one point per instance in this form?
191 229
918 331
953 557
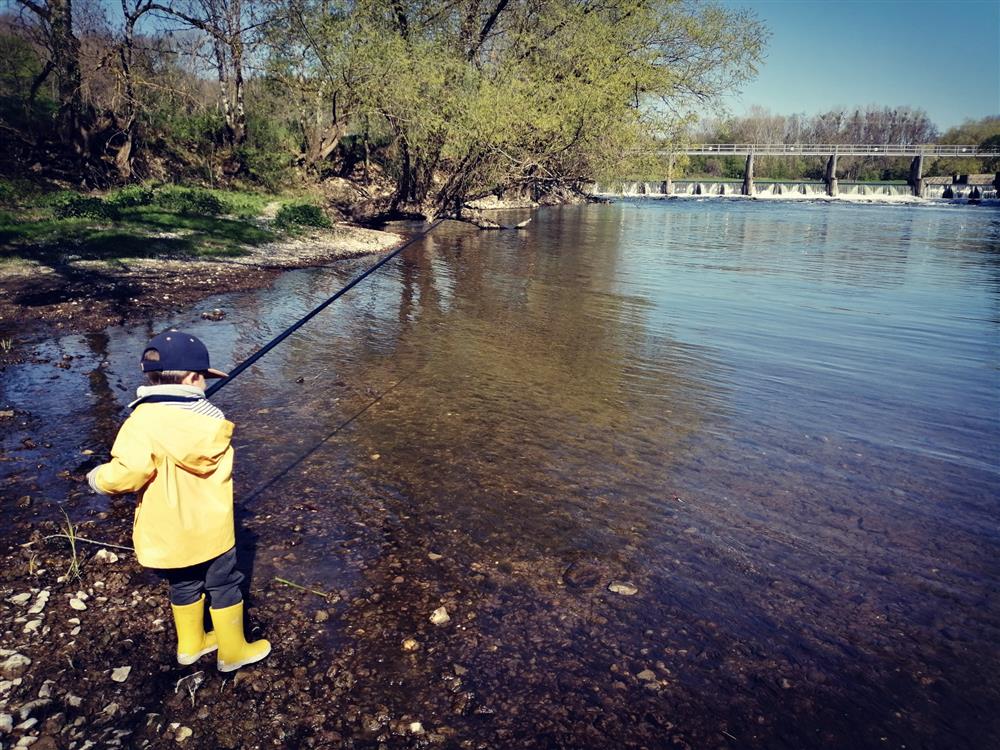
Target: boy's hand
92 481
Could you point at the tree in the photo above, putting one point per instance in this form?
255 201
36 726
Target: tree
475 97
981 132
56 21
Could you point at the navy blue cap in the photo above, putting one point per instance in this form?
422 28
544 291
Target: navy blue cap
179 351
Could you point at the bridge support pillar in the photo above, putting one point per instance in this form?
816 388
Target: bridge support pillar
916 180
748 176
830 177
668 184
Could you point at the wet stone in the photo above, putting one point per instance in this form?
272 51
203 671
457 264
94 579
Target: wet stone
440 616
581 575
646 675
625 589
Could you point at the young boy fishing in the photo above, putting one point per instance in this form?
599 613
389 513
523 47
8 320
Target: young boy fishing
175 452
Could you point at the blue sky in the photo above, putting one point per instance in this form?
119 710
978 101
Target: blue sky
943 57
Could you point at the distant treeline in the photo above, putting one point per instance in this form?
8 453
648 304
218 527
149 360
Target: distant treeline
868 125
421 103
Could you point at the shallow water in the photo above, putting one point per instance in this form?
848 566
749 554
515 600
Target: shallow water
780 423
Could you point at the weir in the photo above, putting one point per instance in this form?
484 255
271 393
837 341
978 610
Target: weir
832 151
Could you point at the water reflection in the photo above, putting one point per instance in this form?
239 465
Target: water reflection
780 423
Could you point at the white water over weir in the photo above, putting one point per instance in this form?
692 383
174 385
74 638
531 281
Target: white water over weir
790 190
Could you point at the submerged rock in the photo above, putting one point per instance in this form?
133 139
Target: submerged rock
625 589
440 616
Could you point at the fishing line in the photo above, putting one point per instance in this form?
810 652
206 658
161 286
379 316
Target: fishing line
248 362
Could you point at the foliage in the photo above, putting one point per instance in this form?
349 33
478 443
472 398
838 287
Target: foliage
983 132
446 101
130 196
69 205
300 214
190 201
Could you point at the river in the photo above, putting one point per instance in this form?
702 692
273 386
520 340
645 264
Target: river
778 423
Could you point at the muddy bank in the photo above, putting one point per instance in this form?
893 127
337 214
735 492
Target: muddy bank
77 295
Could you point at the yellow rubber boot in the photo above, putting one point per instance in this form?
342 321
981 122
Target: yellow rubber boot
234 651
192 640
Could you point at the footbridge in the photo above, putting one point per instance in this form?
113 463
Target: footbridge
917 152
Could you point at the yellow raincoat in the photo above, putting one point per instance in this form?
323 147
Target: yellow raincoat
181 464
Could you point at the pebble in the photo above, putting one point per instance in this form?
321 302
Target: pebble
121 674
20 599
434 556
32 626
25 711
183 733
77 604
14 666
440 616
46 689
322 616
40 602
646 675
214 315
416 727
6 723
411 644
74 700
24 726
26 741
106 556
625 589
111 709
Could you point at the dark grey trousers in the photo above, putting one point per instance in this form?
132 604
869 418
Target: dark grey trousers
218 576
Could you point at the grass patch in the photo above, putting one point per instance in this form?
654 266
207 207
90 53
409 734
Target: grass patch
294 215
139 221
138 232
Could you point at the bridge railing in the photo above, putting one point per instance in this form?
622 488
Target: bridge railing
826 149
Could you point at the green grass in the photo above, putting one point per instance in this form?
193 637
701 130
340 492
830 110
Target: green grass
142 222
39 234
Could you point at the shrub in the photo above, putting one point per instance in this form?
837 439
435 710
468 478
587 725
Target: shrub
133 195
69 205
190 201
14 191
300 214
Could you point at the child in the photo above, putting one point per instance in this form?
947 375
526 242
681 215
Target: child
174 451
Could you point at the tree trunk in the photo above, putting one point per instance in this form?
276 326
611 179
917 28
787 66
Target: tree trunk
66 61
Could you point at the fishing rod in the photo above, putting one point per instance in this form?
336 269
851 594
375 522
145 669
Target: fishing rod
249 361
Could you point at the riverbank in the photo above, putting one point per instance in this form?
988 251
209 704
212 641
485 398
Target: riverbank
104 264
